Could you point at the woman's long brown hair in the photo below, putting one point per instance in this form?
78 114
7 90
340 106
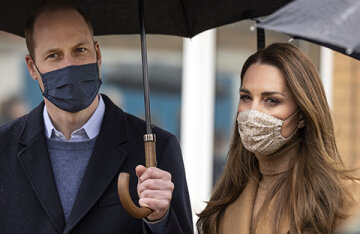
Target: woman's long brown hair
312 193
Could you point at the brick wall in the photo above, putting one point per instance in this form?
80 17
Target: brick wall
346 108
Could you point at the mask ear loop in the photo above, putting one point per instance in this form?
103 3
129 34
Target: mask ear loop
298 125
41 75
35 65
295 131
292 115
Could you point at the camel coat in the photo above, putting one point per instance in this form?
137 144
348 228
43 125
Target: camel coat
238 215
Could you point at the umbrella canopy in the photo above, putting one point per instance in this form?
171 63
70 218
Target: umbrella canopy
176 17
184 18
332 23
173 17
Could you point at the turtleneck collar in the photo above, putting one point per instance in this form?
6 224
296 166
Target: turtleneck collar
280 161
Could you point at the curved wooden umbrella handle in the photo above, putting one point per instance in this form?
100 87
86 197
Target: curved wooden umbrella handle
126 201
123 181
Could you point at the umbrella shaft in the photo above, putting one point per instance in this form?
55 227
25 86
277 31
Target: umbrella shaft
145 68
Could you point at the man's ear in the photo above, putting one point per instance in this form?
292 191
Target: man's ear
301 122
98 53
31 67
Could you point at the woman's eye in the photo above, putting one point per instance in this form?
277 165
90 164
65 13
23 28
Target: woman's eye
245 98
272 101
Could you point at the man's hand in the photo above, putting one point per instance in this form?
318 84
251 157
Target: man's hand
155 190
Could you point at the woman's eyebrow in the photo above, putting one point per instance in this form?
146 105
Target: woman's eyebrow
244 90
267 93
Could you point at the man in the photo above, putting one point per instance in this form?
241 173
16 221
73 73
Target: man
59 164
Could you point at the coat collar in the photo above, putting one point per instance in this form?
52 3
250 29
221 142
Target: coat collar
104 164
34 159
33 126
238 215
103 167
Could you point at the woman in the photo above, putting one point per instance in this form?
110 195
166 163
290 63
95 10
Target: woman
283 173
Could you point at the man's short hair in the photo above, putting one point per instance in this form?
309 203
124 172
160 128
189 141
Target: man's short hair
49 6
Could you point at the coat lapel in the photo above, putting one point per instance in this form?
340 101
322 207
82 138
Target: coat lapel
238 215
34 159
104 165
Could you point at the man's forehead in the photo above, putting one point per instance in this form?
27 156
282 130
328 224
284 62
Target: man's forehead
59 27
60 18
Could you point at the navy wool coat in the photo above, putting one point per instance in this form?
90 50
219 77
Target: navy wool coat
29 200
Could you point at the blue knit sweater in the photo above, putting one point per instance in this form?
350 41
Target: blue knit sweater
69 161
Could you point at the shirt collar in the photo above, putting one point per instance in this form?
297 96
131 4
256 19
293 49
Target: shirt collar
87 132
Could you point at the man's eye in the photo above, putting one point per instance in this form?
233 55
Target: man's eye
80 50
52 56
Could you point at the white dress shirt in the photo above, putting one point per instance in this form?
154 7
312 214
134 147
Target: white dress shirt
87 132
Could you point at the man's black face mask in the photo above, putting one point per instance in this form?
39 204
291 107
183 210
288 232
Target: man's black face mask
72 88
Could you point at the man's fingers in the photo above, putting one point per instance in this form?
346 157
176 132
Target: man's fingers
140 169
155 204
155 173
155 190
157 194
155 184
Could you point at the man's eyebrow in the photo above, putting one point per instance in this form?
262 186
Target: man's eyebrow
80 44
50 51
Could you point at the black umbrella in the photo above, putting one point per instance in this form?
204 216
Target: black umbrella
184 18
332 23
172 17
